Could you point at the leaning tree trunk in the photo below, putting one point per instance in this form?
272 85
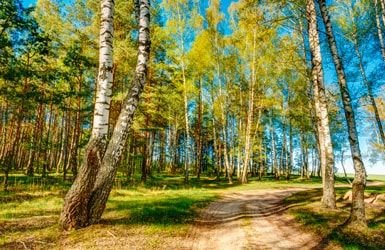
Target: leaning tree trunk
107 172
379 30
358 205
75 210
382 2
321 109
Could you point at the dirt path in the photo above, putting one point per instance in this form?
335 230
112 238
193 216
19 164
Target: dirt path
250 220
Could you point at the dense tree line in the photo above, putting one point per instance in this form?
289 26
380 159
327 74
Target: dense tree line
263 88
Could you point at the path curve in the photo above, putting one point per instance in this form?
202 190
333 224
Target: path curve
251 219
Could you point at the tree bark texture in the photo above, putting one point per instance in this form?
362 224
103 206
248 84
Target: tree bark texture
358 206
86 200
107 172
321 109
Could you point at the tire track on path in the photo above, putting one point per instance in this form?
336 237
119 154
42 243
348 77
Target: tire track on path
251 219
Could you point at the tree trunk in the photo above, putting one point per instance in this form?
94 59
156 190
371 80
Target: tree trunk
321 109
162 159
379 30
358 207
283 160
290 164
61 139
174 147
223 120
107 172
145 155
304 167
249 119
343 167
34 142
382 2
216 159
150 153
76 134
75 211
273 150
199 132
185 102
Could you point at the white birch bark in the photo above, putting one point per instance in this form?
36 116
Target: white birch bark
105 76
250 115
321 109
379 30
223 117
359 183
75 213
185 97
273 149
382 2
86 200
107 172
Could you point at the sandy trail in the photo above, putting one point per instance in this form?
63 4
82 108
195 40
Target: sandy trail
250 220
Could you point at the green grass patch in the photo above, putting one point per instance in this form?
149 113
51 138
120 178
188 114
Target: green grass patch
330 223
150 215
155 215
167 207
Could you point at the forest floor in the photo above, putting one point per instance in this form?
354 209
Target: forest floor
208 214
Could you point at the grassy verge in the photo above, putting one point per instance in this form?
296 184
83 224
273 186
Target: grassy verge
156 215
140 217
330 224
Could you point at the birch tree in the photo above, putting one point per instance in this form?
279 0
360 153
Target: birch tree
321 109
214 17
75 212
358 203
355 28
180 22
379 28
109 164
86 200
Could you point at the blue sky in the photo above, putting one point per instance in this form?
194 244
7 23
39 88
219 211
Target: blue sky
28 3
330 78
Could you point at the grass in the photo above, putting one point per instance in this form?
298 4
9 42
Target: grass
151 215
330 223
157 215
372 177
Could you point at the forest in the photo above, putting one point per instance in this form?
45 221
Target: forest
192 124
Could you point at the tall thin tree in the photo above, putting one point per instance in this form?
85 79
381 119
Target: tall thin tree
321 109
74 213
84 206
358 204
115 148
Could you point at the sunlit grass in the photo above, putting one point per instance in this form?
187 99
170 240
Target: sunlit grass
371 177
149 216
330 223
157 214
